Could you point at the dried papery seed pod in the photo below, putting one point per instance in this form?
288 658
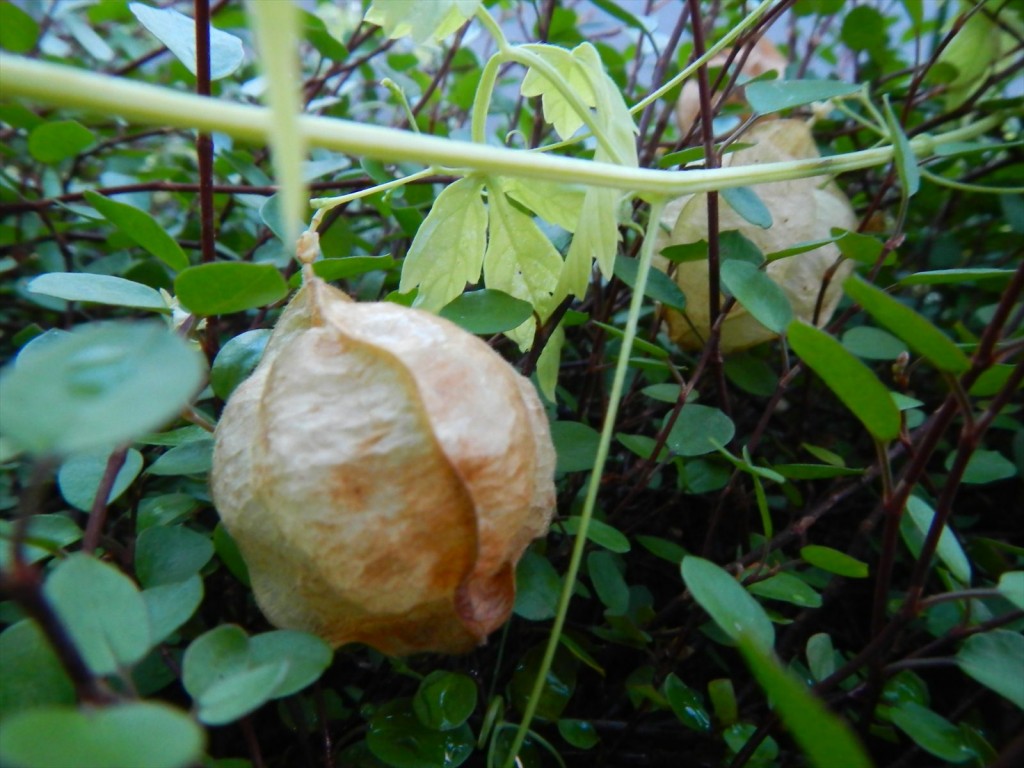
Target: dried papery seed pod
382 471
802 210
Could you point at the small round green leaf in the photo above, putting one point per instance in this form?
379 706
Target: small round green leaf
444 700
834 561
575 444
58 140
121 736
932 732
727 602
98 289
578 733
241 693
102 610
306 656
236 360
214 656
787 588
747 204
537 587
45 536
696 428
171 605
558 686
611 587
600 533
191 458
397 737
178 33
169 554
18 31
79 477
229 286
487 311
759 294
687 704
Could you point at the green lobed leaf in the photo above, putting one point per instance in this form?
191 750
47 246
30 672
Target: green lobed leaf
575 445
556 109
79 477
124 735
758 293
996 660
169 554
33 675
444 700
697 430
600 533
448 250
98 289
848 378
537 587
141 228
767 96
747 204
178 33
932 732
610 586
169 606
727 602
788 588
421 21
660 286
236 360
487 311
687 704
18 30
919 334
826 740
102 610
834 561
59 140
224 287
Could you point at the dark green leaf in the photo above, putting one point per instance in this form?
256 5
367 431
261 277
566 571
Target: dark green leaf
600 533
949 550
98 289
608 582
660 286
985 467
821 656
767 96
751 374
44 536
344 268
864 29
444 700
578 733
227 551
679 254
723 700
487 311
864 249
397 737
663 548
59 140
575 444
119 736
851 381
171 605
241 693
80 476
873 344
558 686
178 33
102 610
956 276
996 660
33 675
745 201
919 334
787 588
537 587
932 732
141 228
698 428
169 554
827 740
192 458
727 602
1011 585
305 656
18 31
225 287
834 561
214 656
236 360
687 704
758 293
733 244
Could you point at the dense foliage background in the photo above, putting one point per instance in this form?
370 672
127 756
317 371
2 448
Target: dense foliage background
890 565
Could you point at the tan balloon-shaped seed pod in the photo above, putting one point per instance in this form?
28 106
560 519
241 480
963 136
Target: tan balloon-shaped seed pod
802 210
382 471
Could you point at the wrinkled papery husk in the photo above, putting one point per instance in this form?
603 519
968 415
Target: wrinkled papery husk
802 210
382 471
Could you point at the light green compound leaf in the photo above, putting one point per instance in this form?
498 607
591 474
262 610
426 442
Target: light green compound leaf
932 732
448 250
1011 586
747 204
903 153
33 675
236 360
140 228
119 736
826 739
697 430
178 33
557 111
98 289
520 260
549 363
767 96
170 605
787 588
487 311
758 293
224 287
834 561
613 115
558 204
949 550
79 477
851 381
70 396
727 602
444 700
919 334
660 286
169 554
18 30
421 21
58 140
597 237
996 660
102 610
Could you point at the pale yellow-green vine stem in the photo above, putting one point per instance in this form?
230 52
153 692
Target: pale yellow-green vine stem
593 485
155 105
324 204
963 186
